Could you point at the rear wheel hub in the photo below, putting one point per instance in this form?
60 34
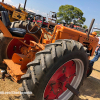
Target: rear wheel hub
57 84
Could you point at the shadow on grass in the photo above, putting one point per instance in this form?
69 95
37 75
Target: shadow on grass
90 88
14 98
96 70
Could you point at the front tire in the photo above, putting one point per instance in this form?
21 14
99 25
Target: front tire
47 69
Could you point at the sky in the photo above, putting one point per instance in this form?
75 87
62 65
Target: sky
90 8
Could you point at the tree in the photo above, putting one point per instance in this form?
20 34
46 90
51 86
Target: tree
84 26
70 13
21 8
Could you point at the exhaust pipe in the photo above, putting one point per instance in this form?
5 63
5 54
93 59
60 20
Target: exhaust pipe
3 1
19 6
25 5
90 28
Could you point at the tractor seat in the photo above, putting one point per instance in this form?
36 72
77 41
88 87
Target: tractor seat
19 32
14 31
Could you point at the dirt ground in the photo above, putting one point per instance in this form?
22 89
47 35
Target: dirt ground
89 91
91 86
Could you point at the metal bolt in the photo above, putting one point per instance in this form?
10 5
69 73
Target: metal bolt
24 40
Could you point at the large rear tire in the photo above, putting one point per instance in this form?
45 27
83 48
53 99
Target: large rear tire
66 61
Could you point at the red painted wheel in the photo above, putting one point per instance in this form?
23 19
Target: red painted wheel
57 84
15 45
69 72
60 64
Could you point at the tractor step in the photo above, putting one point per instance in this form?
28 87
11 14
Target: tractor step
16 67
14 70
21 60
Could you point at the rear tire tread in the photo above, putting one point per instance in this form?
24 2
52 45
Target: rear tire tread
66 44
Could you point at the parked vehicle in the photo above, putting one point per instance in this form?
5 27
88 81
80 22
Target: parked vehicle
52 68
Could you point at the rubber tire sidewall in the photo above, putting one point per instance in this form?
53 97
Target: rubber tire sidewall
90 70
44 80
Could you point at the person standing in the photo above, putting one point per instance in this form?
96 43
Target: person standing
97 51
71 25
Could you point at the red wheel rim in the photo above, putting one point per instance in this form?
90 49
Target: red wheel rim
15 45
57 83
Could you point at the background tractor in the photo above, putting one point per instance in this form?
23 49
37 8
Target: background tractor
48 23
14 13
52 20
12 45
8 46
52 68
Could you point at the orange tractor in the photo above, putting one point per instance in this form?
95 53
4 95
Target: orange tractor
52 68
7 43
16 14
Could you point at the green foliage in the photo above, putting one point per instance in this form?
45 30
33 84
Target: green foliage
21 8
98 32
70 13
85 27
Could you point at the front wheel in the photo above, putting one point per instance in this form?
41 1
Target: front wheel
61 63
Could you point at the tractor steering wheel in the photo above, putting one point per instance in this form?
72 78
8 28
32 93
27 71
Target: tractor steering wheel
33 26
